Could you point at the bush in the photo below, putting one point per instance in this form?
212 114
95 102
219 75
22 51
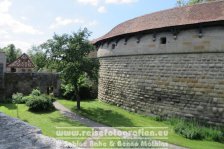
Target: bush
40 103
218 137
194 131
18 98
88 92
88 89
160 118
189 130
214 134
36 92
26 98
35 101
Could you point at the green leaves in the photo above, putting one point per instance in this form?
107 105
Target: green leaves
17 98
12 53
68 54
39 57
191 2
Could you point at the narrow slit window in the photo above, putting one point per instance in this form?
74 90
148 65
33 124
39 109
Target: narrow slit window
163 40
113 46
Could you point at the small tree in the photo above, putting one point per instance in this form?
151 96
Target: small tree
11 52
68 54
38 57
16 99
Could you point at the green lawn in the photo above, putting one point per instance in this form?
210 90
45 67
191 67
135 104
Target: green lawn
117 117
47 122
105 141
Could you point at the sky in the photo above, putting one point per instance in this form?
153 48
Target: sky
26 23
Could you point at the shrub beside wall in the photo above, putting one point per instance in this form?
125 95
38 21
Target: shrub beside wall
35 101
40 103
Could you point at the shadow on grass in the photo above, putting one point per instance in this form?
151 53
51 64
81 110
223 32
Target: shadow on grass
42 112
82 100
65 120
25 120
108 117
9 106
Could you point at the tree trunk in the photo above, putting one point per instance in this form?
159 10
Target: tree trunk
78 102
77 98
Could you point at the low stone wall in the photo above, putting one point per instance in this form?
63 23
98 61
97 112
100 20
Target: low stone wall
187 85
26 82
20 135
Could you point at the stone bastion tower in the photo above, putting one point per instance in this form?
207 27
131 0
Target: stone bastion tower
168 63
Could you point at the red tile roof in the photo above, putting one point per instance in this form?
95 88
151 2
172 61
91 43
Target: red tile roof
22 62
188 15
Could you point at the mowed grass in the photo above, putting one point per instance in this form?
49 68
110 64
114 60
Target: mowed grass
46 121
117 117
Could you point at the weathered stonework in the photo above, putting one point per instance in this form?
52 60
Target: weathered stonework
186 41
187 85
167 63
183 76
3 61
16 134
13 82
26 82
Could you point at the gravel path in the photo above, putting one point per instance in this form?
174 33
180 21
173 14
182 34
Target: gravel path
97 126
74 116
16 134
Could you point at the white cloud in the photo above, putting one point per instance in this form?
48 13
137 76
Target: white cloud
100 3
24 46
9 23
10 27
102 9
120 1
59 21
89 2
4 34
4 6
92 23
23 18
97 2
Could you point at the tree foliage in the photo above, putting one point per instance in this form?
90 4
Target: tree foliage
38 57
191 2
11 52
68 54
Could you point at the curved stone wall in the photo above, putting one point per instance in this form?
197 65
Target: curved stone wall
184 78
208 39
